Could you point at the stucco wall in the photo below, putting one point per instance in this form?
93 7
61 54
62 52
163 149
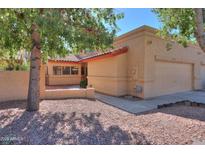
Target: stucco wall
121 74
102 75
146 52
135 60
122 86
42 81
156 52
109 75
14 85
62 79
70 93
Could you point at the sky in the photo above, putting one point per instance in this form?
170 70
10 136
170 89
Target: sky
136 17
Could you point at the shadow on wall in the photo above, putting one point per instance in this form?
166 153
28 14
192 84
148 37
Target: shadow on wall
61 128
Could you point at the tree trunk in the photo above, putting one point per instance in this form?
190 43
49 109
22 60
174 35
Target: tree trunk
199 34
34 79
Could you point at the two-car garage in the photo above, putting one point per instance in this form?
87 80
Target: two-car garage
172 77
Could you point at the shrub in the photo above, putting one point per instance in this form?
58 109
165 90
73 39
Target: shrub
83 83
17 67
24 67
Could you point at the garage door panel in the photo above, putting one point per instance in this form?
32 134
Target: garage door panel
202 75
172 77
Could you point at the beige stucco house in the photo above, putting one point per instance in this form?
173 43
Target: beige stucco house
140 65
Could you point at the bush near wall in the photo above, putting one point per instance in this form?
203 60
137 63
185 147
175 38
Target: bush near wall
83 83
14 65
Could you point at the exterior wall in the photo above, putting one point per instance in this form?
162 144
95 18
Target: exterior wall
156 51
141 78
102 75
14 85
135 60
121 61
42 81
62 79
70 93
109 75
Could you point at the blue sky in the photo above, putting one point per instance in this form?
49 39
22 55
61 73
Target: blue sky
136 17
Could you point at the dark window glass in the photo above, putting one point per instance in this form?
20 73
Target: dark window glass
56 70
74 70
66 70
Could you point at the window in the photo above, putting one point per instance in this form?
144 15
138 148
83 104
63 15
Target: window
66 70
74 70
56 70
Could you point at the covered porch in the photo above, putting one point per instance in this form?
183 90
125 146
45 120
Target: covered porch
64 73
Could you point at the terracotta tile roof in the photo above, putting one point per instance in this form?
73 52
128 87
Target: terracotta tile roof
90 55
109 53
71 58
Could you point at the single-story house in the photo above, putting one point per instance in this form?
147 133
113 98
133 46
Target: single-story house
141 64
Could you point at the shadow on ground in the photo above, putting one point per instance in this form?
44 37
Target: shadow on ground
64 128
12 104
189 112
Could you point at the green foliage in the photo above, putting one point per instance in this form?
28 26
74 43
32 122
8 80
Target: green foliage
179 24
22 67
2 64
61 30
9 60
16 66
83 83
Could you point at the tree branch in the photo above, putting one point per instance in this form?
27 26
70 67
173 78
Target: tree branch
200 35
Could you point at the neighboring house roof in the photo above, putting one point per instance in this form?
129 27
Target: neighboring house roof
90 56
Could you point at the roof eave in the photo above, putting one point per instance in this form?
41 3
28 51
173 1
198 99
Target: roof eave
107 55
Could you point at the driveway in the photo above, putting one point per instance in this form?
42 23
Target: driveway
139 106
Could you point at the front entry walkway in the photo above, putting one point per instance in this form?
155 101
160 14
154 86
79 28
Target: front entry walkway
140 106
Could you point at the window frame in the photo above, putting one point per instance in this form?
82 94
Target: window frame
68 69
75 68
54 72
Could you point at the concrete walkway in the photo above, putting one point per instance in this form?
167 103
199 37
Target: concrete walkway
139 106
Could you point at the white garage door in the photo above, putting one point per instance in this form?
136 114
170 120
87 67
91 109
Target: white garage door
172 77
202 75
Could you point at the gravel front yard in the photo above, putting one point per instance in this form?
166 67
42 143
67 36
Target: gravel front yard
80 121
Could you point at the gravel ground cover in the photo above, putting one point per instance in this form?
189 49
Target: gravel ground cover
81 121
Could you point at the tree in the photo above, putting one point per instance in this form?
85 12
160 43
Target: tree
184 25
54 32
